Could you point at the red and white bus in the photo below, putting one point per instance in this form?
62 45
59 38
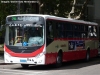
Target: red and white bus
44 39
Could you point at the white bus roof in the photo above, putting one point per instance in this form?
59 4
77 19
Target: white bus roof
56 18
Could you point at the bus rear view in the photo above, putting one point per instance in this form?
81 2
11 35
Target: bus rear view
24 40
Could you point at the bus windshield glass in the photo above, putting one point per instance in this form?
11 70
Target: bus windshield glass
25 34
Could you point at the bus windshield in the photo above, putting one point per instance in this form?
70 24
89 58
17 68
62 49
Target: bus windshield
24 34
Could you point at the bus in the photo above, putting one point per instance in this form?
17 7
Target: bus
36 39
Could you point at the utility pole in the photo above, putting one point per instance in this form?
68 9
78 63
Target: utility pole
18 7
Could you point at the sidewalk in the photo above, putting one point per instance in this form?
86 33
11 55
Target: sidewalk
2 60
1 51
2 57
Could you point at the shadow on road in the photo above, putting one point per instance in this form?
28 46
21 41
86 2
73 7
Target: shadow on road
68 65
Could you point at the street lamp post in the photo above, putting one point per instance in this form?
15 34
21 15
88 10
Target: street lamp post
18 7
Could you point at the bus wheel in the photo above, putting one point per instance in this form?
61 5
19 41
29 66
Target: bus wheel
25 65
59 60
88 55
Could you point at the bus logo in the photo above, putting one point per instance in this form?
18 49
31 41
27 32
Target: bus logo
22 48
23 51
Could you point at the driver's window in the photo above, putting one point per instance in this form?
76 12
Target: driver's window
49 32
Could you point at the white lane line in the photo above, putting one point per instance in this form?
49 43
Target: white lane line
20 71
11 73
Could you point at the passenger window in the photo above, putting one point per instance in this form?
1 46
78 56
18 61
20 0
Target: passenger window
92 31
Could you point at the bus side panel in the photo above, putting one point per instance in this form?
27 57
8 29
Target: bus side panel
50 58
69 55
93 53
51 52
74 55
93 46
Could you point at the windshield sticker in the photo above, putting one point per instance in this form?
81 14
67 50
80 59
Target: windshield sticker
25 44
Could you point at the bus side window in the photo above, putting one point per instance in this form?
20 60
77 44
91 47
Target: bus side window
58 34
90 31
60 30
94 31
49 32
69 29
83 35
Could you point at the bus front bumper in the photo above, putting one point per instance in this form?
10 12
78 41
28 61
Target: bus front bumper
26 60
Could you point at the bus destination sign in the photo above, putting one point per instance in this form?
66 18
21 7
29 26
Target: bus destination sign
23 18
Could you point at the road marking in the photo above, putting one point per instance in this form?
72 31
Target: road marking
11 73
20 71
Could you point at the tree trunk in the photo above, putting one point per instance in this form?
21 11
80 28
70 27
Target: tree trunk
83 9
72 10
40 6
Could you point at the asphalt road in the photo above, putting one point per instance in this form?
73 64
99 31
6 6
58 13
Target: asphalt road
1 59
70 68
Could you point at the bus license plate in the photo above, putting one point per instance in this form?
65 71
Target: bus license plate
22 60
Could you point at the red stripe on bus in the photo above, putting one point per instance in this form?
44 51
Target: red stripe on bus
24 54
69 56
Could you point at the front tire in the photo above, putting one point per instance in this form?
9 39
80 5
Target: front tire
59 60
24 65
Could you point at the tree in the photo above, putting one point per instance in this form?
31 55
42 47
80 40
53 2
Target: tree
6 9
63 8
81 13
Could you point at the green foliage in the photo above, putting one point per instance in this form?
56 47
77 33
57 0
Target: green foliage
62 7
2 32
5 10
57 7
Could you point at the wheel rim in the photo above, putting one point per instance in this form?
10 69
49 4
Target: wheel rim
87 56
59 60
